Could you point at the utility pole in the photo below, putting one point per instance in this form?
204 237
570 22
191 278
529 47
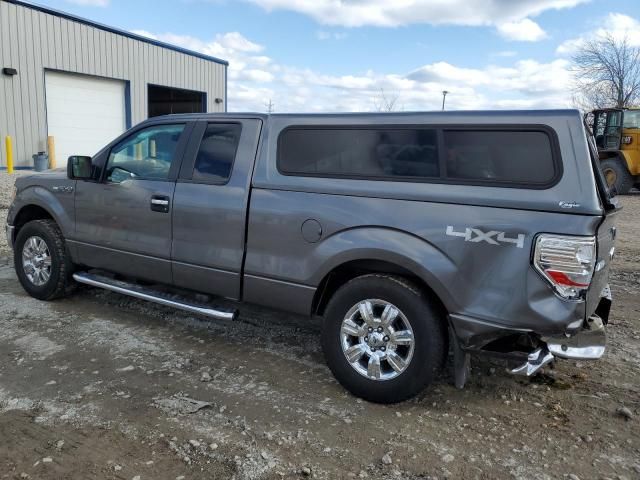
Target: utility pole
270 106
444 97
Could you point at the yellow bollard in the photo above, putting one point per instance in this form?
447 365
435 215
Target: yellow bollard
51 146
9 146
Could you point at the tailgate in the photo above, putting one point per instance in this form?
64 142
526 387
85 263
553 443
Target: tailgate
605 247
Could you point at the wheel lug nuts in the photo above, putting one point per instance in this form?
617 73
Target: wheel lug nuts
386 339
373 349
384 349
379 329
366 338
370 329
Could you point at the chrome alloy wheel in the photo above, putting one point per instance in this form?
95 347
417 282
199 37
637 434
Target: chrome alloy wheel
36 261
377 339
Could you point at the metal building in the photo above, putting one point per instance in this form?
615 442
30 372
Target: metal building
84 83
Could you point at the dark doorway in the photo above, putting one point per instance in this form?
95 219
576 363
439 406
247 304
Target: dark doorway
166 100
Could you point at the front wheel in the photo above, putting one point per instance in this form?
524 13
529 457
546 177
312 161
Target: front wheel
41 260
383 339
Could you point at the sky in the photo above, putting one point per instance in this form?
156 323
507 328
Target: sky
360 55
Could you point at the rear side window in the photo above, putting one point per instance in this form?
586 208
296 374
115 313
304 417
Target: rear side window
499 156
217 152
388 152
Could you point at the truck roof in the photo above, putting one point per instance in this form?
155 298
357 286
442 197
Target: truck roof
445 114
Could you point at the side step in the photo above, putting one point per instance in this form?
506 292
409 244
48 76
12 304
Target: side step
144 293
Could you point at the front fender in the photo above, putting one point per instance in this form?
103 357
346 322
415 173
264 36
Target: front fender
59 207
413 253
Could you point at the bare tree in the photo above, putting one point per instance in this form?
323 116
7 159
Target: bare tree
384 103
607 72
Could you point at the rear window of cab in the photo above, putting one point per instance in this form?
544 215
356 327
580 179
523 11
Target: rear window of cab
526 157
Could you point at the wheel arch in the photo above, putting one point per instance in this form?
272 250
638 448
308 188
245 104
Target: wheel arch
30 212
387 251
36 203
343 273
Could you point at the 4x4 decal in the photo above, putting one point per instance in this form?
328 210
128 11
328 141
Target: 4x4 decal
493 237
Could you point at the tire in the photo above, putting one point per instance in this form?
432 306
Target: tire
416 312
616 174
45 239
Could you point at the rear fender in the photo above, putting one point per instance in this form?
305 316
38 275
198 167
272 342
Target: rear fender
389 245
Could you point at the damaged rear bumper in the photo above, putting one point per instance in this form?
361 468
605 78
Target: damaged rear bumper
588 344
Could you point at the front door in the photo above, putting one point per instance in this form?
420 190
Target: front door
123 220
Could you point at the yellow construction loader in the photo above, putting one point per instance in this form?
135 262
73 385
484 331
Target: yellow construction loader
617 135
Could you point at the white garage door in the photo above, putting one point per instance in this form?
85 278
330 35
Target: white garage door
83 113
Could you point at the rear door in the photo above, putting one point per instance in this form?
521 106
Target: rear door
210 206
123 220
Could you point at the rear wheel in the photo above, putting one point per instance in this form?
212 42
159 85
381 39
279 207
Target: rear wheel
383 338
617 175
41 260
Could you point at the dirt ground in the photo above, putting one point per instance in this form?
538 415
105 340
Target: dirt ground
102 386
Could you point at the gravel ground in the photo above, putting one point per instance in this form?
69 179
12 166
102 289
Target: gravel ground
6 189
102 386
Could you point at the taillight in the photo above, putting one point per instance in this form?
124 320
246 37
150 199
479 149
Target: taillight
567 263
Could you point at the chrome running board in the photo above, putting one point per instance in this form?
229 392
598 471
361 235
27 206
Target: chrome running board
155 296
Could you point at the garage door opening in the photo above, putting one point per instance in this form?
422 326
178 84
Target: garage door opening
166 100
84 113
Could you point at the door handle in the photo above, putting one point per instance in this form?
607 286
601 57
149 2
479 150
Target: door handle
160 203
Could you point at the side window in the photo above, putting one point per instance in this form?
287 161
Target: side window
217 152
147 155
359 152
524 157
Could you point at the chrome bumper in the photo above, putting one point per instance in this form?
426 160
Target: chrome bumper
588 344
10 229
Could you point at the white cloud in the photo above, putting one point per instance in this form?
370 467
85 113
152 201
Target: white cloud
386 13
90 3
255 77
525 30
616 24
505 53
325 35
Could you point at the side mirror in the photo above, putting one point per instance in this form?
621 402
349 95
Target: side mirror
79 167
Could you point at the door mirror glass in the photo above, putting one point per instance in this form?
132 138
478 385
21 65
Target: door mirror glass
145 155
79 167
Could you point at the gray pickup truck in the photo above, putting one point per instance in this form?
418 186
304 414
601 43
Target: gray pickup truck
413 235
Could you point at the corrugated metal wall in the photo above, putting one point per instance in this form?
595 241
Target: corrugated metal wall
32 41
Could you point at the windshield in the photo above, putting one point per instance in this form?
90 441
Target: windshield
631 119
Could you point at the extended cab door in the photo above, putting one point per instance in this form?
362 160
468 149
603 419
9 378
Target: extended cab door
123 218
210 206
